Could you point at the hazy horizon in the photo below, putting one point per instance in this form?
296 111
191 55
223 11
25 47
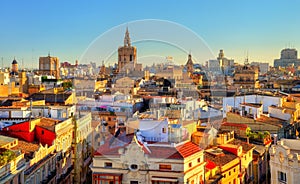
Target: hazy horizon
31 29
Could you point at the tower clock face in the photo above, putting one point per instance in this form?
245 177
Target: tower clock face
281 157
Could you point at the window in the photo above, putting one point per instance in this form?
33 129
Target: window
165 167
190 164
42 132
108 164
164 130
234 170
134 182
133 167
131 58
199 160
224 176
229 173
281 176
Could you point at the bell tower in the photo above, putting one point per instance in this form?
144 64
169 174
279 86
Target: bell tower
126 54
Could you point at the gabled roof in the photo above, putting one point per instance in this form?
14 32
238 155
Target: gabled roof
165 151
188 149
113 144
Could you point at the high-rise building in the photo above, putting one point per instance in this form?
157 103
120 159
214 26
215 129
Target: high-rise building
49 66
288 57
126 54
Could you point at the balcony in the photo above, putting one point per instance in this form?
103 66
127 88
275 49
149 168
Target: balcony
50 177
65 175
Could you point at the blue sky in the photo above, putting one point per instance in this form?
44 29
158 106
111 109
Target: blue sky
30 29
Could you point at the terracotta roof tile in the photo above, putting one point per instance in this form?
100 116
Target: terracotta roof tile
164 152
26 147
246 146
188 149
48 123
222 159
112 145
239 125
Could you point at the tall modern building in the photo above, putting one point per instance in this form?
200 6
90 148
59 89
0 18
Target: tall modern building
49 66
288 57
126 54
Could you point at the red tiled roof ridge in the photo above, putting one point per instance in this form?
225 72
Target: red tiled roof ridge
187 149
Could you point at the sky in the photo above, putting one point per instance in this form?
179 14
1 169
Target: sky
30 29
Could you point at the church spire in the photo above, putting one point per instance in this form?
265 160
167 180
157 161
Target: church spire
127 38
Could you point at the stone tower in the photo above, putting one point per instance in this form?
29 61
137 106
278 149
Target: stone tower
126 54
49 66
189 64
23 82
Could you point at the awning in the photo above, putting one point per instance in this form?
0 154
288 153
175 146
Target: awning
164 179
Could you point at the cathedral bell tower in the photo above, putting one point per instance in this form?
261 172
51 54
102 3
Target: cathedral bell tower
126 54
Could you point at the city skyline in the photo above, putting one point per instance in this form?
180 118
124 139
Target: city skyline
66 29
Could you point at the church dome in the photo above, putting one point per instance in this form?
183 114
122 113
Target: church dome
14 62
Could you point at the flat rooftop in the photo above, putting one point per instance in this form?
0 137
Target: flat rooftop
6 140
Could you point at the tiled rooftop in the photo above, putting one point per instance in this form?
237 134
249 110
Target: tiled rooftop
246 146
26 147
95 123
156 150
188 149
48 123
221 159
239 125
270 120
